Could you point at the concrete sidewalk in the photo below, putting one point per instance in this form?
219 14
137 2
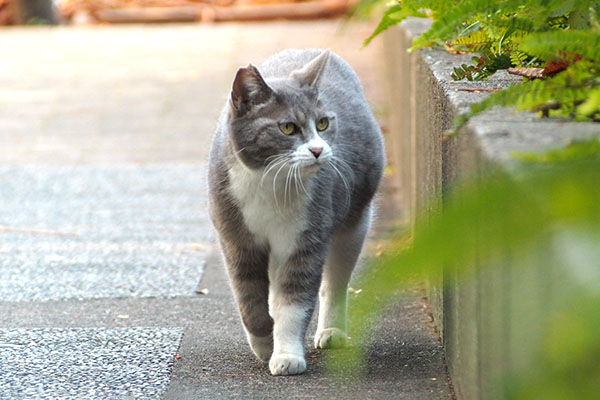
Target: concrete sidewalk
110 286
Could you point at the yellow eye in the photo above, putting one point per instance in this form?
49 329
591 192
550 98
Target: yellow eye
323 124
287 128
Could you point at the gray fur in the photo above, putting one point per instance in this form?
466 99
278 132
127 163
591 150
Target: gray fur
327 202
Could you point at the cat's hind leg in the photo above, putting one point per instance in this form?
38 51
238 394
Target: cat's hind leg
344 251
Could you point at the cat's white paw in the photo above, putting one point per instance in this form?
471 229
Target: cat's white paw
262 347
330 338
287 364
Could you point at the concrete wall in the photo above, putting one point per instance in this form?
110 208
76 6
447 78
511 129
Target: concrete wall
490 322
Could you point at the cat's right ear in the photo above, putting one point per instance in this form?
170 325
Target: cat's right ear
249 89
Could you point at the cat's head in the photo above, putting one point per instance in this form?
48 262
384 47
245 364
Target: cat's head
282 119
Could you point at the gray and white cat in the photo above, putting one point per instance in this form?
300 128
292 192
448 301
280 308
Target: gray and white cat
295 162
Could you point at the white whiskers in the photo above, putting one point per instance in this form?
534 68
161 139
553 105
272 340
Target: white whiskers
346 180
293 184
275 184
287 183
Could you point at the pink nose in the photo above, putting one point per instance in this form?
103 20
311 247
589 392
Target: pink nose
316 151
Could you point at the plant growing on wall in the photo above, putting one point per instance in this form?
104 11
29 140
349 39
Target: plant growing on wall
554 198
554 44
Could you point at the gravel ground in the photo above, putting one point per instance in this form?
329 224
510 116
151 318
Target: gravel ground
104 231
86 363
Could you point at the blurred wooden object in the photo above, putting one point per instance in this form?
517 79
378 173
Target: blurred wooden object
7 12
148 11
149 14
300 10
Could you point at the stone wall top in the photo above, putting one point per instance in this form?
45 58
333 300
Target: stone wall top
500 131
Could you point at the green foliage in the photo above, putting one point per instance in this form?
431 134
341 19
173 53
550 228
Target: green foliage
575 151
572 92
557 45
476 41
568 367
519 33
519 59
398 12
393 16
448 24
483 67
591 105
498 215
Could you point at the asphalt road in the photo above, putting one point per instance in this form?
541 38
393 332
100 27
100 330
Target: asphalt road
110 287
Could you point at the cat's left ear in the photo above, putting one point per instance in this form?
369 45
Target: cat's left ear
249 89
310 74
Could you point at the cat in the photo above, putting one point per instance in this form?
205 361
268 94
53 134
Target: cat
294 165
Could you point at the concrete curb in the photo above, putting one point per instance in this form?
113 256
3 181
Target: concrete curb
479 319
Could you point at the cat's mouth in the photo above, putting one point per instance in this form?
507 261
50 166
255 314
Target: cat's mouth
291 168
312 166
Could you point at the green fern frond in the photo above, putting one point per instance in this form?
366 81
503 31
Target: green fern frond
546 13
449 23
408 8
524 33
495 32
438 7
512 23
482 68
393 15
569 87
583 14
364 9
474 42
518 58
555 44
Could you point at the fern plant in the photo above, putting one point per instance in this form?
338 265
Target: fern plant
560 37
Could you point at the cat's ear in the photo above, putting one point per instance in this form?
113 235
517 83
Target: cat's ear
309 74
249 88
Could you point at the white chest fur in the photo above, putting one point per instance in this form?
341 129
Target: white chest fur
274 216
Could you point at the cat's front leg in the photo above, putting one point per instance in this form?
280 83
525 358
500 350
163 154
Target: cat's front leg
288 350
292 296
248 272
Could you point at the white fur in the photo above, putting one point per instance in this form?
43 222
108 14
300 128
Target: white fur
279 228
288 350
304 155
269 222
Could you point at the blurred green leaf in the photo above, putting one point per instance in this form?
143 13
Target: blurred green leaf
485 219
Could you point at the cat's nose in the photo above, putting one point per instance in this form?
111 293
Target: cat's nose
316 151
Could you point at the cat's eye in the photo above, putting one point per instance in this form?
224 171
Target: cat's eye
322 124
287 128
